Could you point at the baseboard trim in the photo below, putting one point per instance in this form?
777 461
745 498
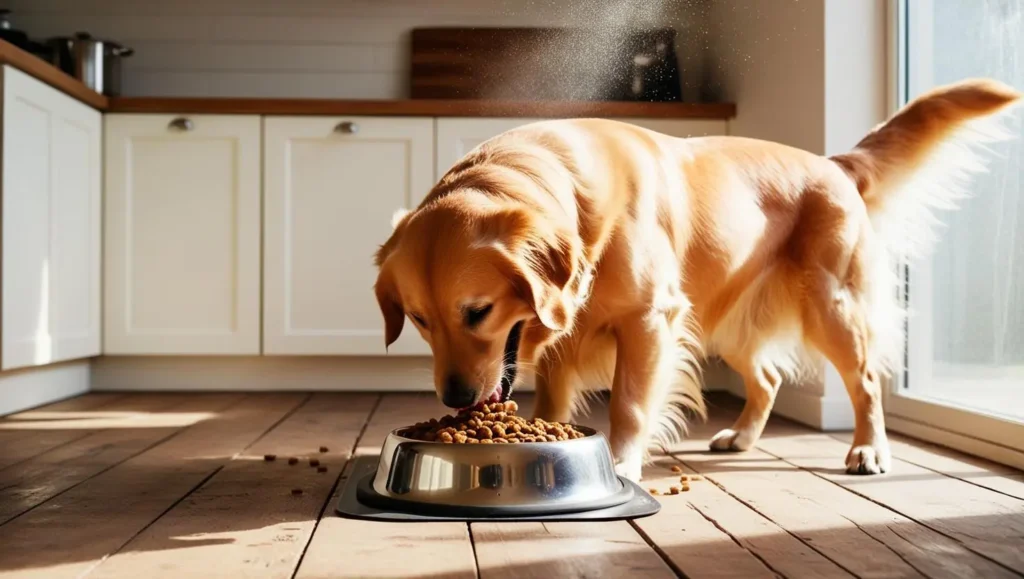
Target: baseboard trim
796 403
965 444
31 387
276 373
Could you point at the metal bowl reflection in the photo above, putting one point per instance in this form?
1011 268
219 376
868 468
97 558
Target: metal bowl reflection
534 478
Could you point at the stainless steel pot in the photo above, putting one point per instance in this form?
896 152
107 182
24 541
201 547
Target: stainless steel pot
97 63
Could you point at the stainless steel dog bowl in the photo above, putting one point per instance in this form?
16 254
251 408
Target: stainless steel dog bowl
496 479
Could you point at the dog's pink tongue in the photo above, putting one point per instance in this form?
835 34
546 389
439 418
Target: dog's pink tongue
495 397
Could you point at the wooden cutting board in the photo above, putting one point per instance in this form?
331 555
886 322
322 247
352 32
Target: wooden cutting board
531 63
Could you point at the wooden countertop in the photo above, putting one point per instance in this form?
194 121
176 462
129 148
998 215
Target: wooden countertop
51 75
45 72
422 107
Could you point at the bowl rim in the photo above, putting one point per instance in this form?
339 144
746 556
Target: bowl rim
594 433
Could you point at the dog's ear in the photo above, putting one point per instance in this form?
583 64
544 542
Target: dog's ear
539 260
390 307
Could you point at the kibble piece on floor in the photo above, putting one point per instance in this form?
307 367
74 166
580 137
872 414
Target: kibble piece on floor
696 477
293 460
314 462
675 468
686 488
296 491
653 491
683 478
321 469
673 491
269 457
324 449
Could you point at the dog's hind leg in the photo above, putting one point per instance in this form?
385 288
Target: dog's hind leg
839 326
761 382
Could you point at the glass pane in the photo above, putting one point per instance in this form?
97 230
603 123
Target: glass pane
977 274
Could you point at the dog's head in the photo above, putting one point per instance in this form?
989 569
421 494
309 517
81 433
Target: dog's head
486 284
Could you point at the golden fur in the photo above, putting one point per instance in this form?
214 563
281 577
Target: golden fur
629 256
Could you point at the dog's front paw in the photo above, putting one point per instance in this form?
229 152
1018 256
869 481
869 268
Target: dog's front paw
630 467
869 458
730 440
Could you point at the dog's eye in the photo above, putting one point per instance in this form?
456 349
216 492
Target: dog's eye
419 320
477 314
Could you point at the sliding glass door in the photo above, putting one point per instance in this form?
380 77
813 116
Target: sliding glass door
964 384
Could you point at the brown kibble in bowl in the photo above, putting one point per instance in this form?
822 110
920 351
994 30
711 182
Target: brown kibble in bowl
324 449
494 423
314 462
269 457
296 492
293 460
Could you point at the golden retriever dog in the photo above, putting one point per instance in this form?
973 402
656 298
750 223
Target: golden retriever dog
594 252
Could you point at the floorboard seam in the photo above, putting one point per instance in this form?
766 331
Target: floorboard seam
902 514
766 517
337 481
945 474
100 472
198 485
661 552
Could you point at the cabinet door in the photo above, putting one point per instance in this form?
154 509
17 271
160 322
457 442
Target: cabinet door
332 185
51 224
458 136
182 234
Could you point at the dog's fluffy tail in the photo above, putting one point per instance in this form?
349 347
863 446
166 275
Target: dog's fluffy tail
920 160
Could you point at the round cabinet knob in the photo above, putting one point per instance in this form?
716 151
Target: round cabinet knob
347 127
181 124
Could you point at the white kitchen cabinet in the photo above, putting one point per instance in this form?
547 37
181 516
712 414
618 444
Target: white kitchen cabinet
456 136
182 234
51 224
331 187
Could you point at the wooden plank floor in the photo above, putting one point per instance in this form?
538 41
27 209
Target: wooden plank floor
176 485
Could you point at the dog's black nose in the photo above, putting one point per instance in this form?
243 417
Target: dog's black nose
457 394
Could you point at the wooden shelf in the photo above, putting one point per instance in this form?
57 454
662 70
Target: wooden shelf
422 107
51 75
45 72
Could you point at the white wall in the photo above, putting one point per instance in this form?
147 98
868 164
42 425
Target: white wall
313 48
811 74
769 58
